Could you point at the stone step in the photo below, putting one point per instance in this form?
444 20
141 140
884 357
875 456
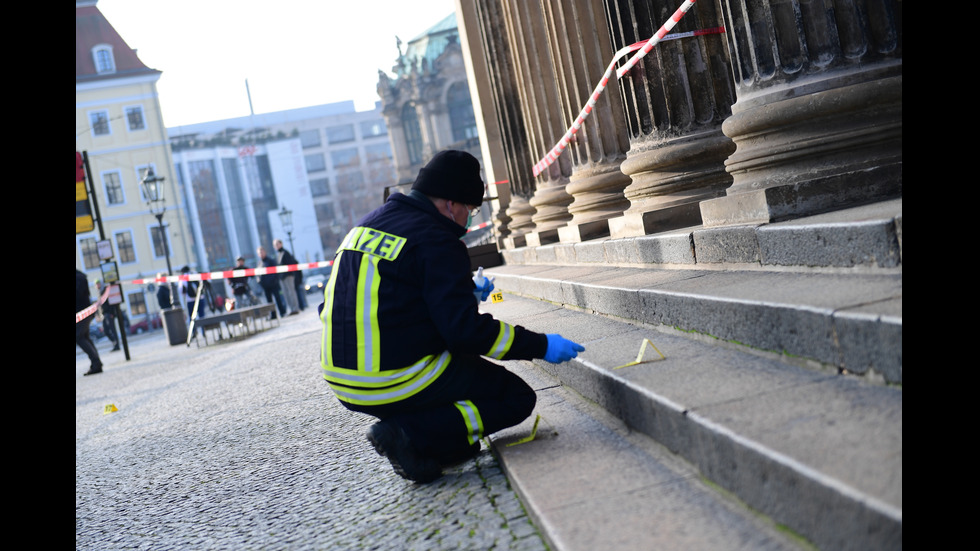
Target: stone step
860 238
839 321
825 289
816 452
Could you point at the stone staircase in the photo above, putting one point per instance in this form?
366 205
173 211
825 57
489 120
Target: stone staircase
741 387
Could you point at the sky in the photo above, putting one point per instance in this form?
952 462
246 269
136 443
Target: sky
292 53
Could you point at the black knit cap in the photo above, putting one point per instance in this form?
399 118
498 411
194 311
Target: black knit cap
452 175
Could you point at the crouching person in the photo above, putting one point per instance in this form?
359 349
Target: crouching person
403 339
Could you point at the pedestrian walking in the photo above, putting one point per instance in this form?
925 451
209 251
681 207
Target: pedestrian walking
82 337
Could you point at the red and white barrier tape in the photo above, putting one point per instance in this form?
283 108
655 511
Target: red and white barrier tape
479 226
644 48
249 272
227 274
89 310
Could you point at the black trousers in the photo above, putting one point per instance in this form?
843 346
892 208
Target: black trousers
434 418
84 341
273 296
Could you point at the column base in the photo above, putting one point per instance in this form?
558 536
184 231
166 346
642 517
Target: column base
543 237
577 233
515 242
788 201
645 223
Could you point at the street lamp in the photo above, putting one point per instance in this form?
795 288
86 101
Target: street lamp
286 217
153 192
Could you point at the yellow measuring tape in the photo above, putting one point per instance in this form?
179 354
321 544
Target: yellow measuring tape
639 357
534 431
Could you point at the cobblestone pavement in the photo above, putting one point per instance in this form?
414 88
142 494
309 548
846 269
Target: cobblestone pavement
241 445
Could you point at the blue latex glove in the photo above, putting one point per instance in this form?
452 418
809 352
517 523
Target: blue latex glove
561 349
486 290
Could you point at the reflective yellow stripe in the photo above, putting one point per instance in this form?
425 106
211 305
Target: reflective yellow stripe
385 387
474 423
505 339
326 316
366 314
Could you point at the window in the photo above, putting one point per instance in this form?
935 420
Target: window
320 187
99 121
90 254
104 61
309 138
340 134
315 162
112 183
324 211
124 247
134 118
213 212
137 303
158 236
370 129
377 152
350 182
461 112
345 157
413 133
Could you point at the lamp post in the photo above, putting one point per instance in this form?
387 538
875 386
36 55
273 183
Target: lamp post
286 217
153 192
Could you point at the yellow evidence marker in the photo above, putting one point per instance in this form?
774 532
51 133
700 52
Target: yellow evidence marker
639 357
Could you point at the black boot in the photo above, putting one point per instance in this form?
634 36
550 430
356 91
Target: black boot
93 370
390 441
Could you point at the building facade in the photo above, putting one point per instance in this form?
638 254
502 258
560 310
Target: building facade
427 107
327 165
426 100
119 128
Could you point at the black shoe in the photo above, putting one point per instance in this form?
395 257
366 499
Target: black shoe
115 348
93 371
391 441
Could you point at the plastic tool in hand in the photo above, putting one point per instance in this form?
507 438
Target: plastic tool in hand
484 286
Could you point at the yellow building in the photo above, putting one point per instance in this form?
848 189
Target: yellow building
119 128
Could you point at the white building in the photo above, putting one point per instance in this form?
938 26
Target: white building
327 164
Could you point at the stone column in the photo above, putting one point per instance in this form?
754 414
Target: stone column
487 119
519 213
533 61
818 117
581 53
399 151
504 90
677 97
